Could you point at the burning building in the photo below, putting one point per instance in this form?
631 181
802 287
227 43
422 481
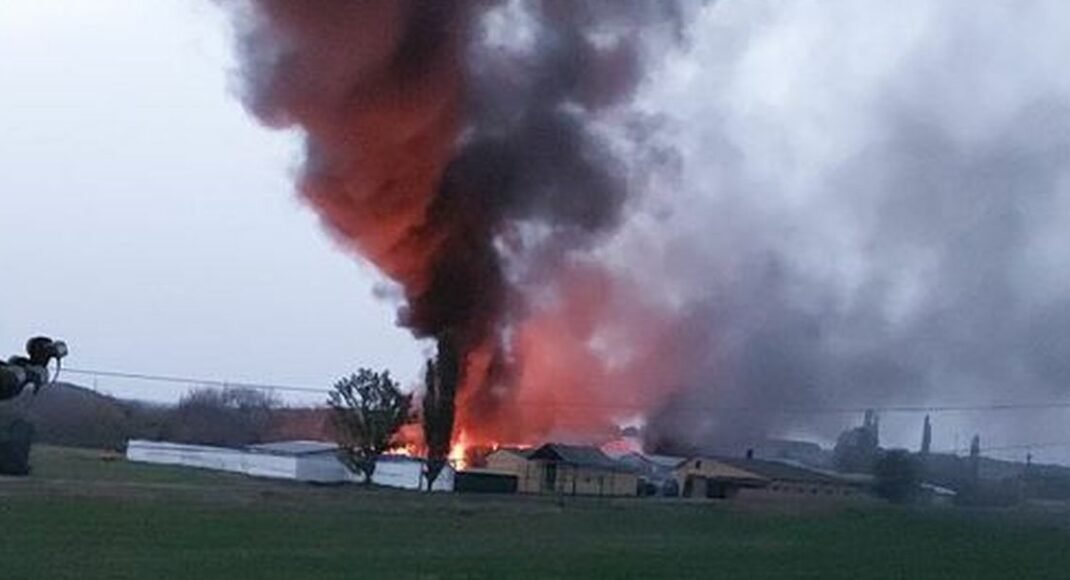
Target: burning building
799 244
471 151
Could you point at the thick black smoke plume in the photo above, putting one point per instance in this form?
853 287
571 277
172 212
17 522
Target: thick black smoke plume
455 146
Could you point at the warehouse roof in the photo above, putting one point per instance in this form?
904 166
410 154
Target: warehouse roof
524 452
578 455
294 447
779 471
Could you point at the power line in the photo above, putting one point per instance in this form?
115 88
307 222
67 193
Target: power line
1014 447
194 381
802 410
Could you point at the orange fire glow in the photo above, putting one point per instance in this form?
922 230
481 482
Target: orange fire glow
379 91
459 450
592 358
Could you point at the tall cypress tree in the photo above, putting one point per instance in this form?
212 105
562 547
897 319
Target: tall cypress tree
439 405
926 437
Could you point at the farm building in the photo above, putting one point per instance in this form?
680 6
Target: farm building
705 477
516 462
311 461
655 473
407 473
565 469
786 480
724 477
202 456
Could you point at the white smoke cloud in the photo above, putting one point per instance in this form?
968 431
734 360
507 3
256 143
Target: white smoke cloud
871 209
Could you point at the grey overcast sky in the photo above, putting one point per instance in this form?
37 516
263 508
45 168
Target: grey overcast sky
868 205
147 219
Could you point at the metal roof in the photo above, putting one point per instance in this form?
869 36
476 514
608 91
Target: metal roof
667 461
779 471
524 452
578 455
293 447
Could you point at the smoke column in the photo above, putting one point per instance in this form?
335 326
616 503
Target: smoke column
844 205
873 210
469 150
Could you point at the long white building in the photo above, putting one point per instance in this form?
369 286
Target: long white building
311 461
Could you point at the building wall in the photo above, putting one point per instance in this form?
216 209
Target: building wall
321 468
709 469
202 456
569 480
573 480
703 477
267 465
527 472
404 473
805 491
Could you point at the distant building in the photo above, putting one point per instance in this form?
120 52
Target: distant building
311 461
655 473
565 469
406 472
786 480
728 477
804 452
712 478
515 462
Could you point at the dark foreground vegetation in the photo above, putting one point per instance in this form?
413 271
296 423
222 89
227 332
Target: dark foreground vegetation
84 515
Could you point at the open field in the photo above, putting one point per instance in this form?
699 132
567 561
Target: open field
82 517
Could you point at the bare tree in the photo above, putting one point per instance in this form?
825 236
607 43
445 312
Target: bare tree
229 417
367 408
440 380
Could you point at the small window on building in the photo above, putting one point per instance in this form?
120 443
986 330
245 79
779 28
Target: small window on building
698 464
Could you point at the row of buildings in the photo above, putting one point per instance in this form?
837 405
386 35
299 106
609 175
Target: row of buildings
576 470
553 468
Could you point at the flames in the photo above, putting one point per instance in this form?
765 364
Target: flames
464 166
592 356
460 451
465 452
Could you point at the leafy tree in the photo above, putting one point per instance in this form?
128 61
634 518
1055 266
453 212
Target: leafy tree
439 405
898 476
367 410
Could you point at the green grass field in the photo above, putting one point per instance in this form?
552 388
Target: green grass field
79 516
